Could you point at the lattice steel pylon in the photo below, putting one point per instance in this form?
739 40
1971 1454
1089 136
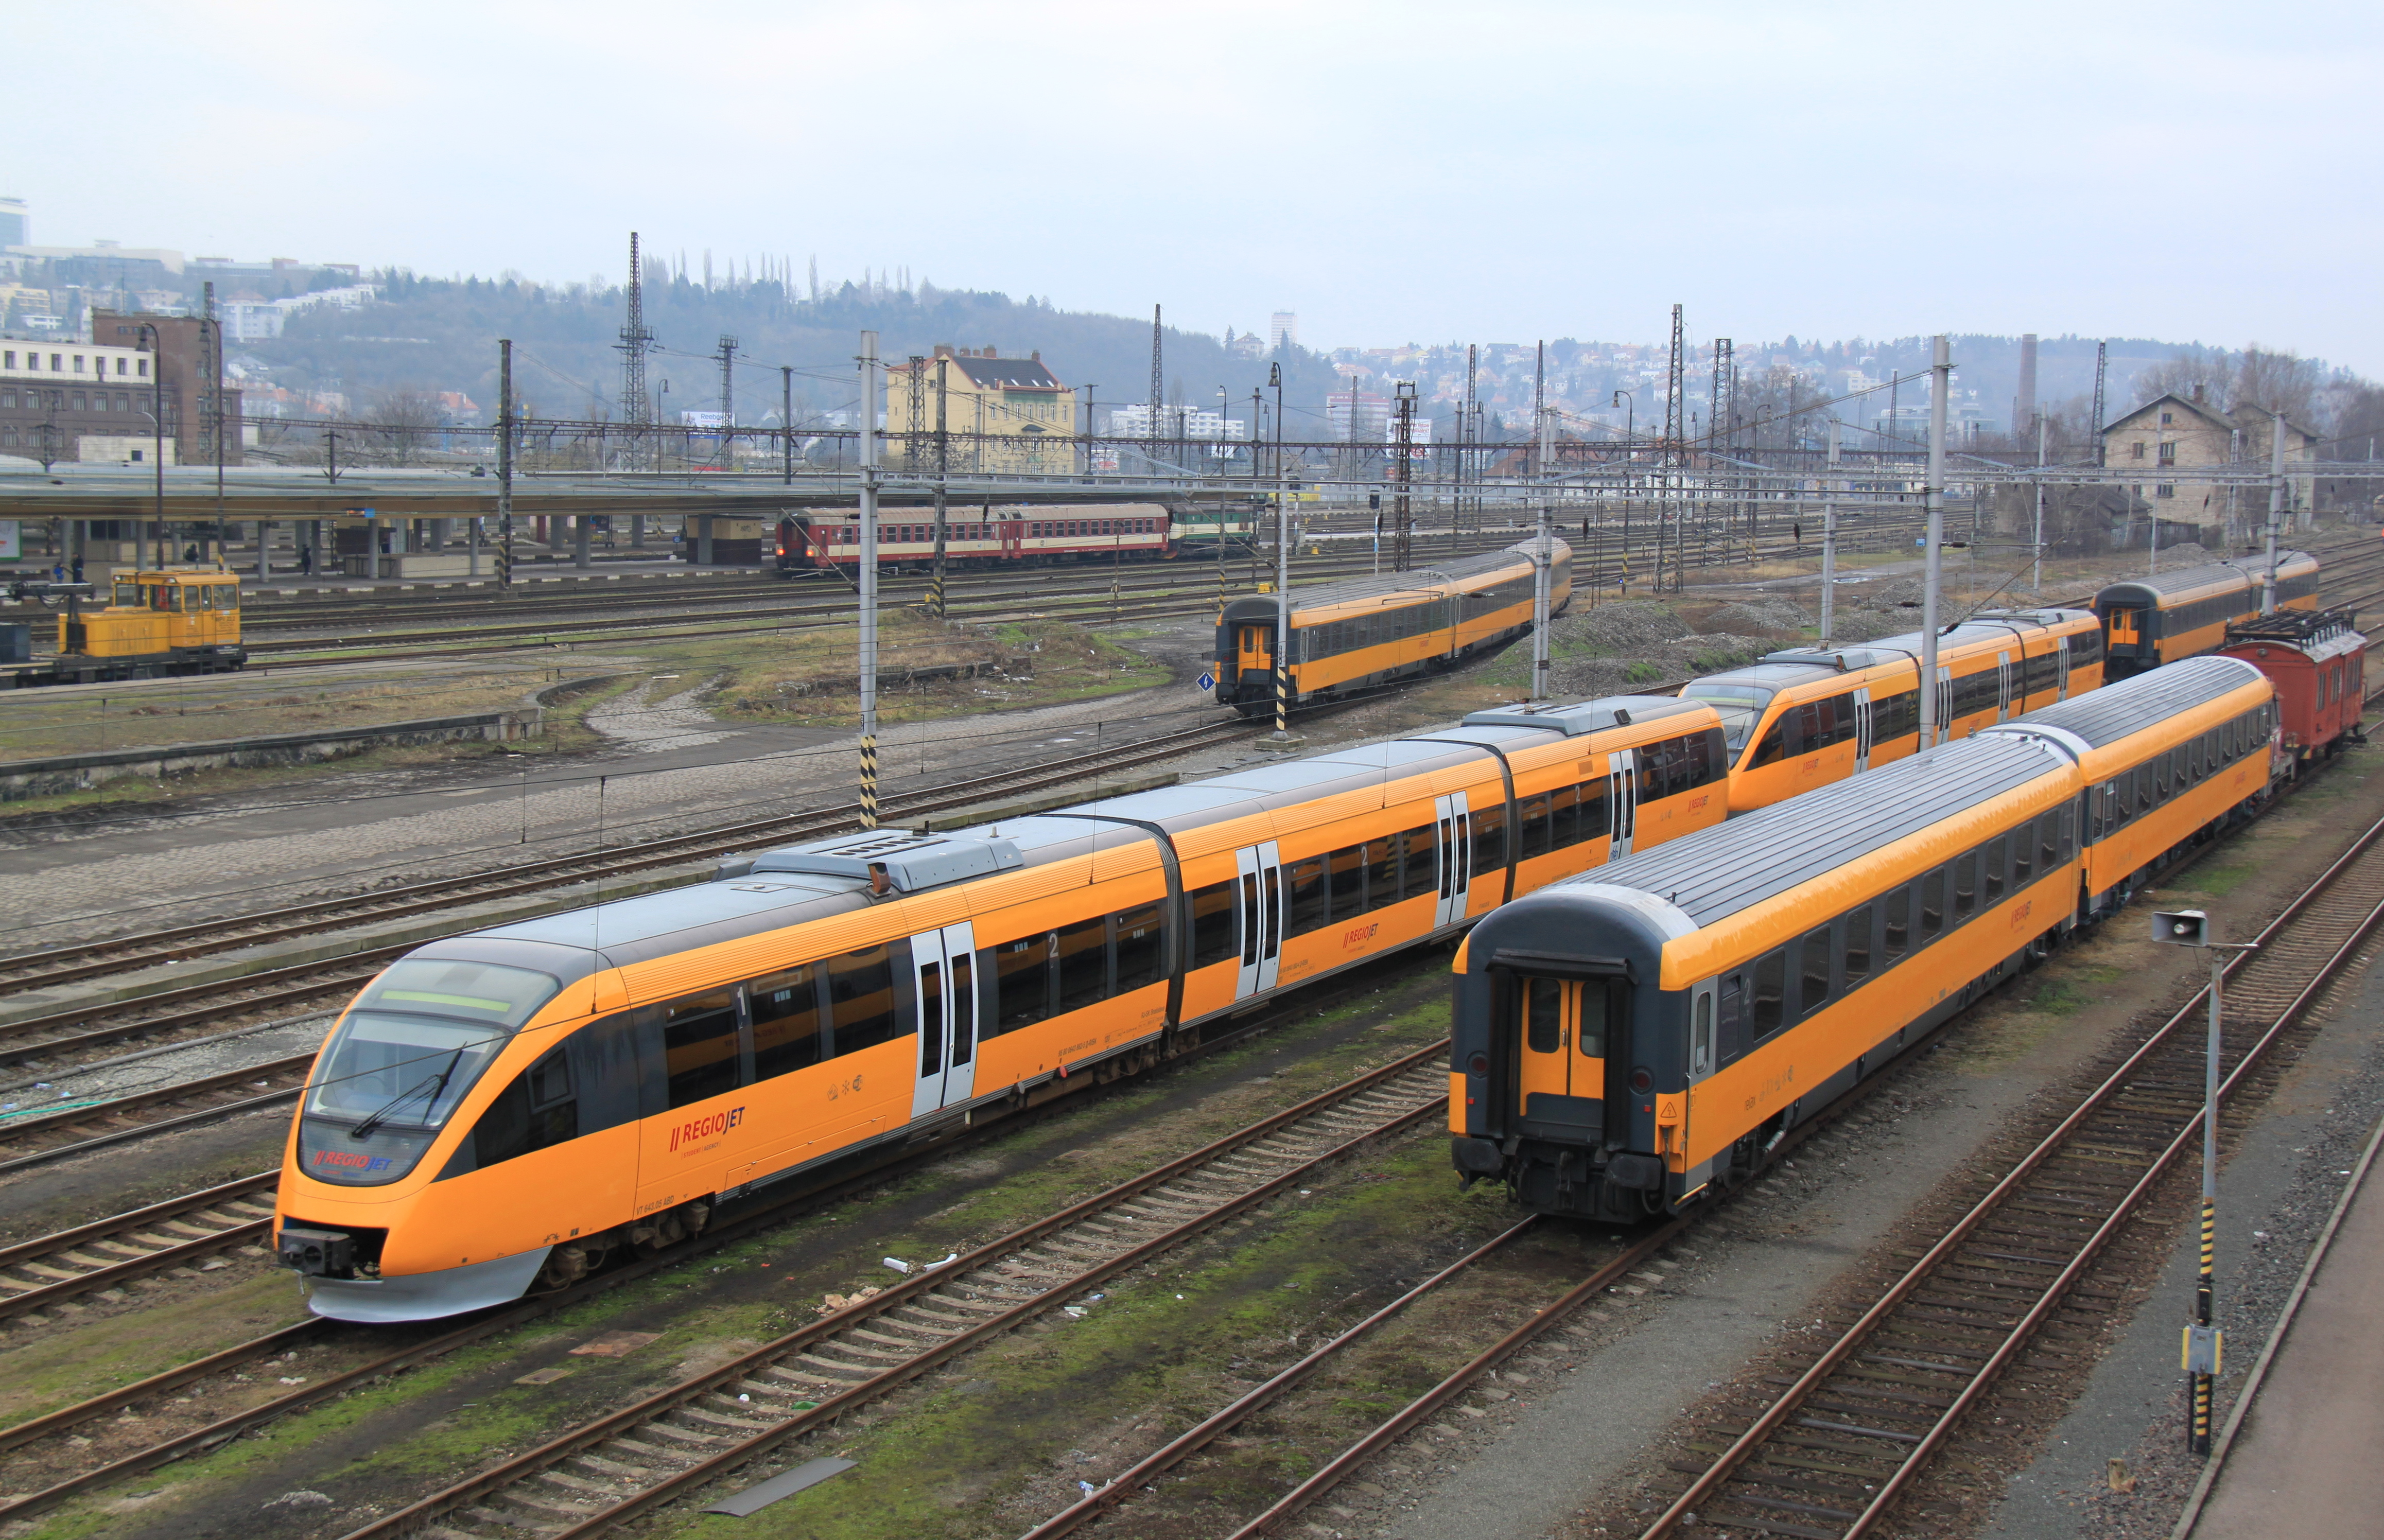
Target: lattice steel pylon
1402 473
727 403
914 437
1157 385
2102 358
636 411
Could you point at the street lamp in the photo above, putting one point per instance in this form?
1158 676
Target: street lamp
2203 1342
1630 411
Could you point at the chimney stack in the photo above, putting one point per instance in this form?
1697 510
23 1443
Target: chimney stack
2024 405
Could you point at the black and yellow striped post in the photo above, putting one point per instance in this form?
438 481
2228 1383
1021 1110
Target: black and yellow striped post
869 780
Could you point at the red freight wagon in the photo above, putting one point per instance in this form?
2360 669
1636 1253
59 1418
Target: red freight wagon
2314 659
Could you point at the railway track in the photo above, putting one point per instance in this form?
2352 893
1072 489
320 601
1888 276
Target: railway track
629 1461
192 1230
35 1135
1834 1454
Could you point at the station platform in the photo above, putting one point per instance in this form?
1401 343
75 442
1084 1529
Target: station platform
2299 1453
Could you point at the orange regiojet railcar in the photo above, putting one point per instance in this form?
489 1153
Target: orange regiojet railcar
499 1111
1810 716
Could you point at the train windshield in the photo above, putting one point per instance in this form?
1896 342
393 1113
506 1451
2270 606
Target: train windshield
409 1050
1740 707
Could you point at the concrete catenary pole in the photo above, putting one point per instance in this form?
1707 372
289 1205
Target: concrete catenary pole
1830 539
1941 379
1282 570
872 392
504 462
2276 506
2036 583
943 468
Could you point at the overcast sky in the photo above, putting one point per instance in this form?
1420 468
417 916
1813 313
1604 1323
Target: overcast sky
1392 172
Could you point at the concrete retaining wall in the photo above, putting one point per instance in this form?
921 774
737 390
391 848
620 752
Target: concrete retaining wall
55 776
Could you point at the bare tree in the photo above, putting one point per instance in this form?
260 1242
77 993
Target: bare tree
402 421
2256 379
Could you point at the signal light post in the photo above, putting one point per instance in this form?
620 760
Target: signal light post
2204 1343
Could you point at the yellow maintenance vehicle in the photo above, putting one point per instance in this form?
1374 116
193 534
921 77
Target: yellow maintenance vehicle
171 621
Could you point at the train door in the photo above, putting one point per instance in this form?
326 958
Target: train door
1862 730
1259 918
2061 670
1456 824
1253 649
1944 704
1622 796
943 970
1560 1083
1703 1049
2002 686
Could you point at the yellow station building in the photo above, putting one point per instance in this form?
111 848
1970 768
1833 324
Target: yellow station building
1004 416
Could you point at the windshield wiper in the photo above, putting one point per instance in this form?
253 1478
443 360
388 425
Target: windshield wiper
436 1082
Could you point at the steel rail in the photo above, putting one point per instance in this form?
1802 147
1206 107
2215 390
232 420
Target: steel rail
1048 1296
118 1106
1786 1404
47 1252
795 1202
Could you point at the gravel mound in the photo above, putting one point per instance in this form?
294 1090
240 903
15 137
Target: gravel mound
1622 628
1758 615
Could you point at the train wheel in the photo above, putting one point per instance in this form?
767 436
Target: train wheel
567 1264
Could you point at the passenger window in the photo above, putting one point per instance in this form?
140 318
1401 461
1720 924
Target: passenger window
860 999
1543 1018
1382 872
1814 977
1490 839
1310 896
1212 926
1995 871
2048 839
785 1008
1022 975
1774 745
1083 951
1563 818
1593 810
1858 952
1597 1001
1137 948
1419 863
700 1045
1765 997
2144 774
2023 855
1896 925
2069 834
1932 905
1534 813
535 1111
1348 882
1966 886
